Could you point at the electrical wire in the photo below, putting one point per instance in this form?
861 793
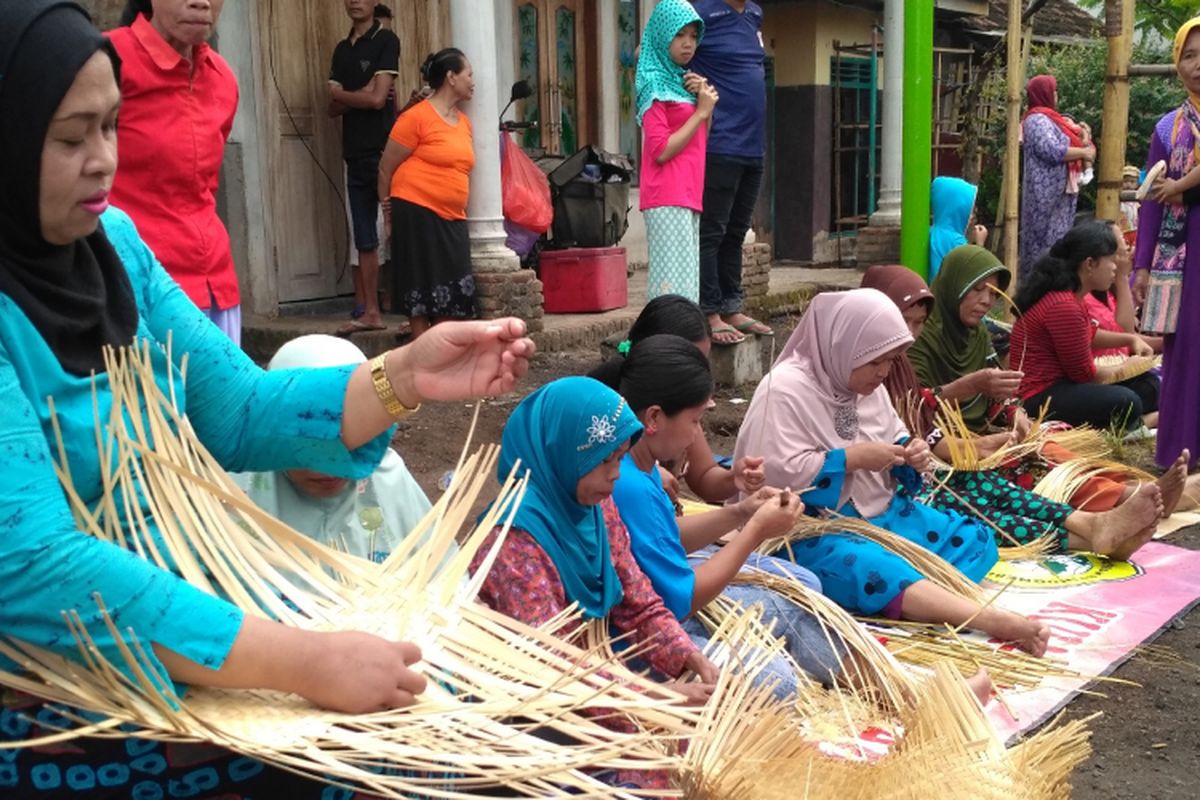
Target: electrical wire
335 185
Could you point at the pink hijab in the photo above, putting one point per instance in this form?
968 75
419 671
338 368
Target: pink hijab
804 408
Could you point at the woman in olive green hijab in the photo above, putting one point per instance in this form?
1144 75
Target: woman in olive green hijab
954 355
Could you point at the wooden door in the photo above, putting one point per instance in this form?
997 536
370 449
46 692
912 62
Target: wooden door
552 55
307 183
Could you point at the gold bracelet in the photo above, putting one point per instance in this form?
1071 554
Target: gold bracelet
384 389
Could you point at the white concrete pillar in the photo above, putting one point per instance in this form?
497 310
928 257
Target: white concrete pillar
473 30
887 213
610 101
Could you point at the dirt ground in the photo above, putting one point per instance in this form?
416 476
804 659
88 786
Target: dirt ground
1147 741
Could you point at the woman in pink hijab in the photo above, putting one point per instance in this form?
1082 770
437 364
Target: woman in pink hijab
823 421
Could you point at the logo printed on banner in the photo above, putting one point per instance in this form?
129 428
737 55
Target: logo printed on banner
1062 570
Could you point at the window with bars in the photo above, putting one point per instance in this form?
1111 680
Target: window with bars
855 141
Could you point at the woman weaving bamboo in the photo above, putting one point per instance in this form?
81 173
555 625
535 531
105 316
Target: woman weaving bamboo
1019 513
954 360
74 278
568 544
823 422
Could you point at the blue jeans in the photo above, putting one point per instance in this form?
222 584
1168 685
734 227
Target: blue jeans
731 187
817 651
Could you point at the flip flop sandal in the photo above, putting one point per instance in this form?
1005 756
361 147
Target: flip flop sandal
727 329
354 326
748 327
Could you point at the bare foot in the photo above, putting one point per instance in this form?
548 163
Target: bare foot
1028 634
1133 543
1190 499
1104 533
1171 483
981 686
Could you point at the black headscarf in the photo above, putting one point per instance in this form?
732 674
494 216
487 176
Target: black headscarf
77 295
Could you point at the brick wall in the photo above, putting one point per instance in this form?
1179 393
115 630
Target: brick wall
756 270
878 245
510 294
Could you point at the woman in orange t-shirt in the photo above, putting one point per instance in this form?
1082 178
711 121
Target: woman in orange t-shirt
424 180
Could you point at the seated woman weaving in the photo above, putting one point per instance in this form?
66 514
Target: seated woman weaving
667 383
1016 515
75 278
567 543
823 421
1052 340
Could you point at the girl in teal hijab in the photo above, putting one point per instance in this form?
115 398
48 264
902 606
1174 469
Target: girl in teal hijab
560 433
952 201
674 108
659 76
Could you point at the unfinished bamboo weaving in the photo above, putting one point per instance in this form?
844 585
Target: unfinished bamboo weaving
492 679
1126 367
747 746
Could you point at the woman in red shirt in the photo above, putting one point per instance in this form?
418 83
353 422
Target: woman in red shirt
1052 340
178 101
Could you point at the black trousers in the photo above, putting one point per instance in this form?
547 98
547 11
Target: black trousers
731 187
1117 405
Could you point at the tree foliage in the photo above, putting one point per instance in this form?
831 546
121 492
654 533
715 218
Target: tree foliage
1080 73
1162 17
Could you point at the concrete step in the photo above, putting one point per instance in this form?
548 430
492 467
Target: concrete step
788 292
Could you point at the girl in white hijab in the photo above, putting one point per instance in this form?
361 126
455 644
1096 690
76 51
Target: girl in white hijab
367 517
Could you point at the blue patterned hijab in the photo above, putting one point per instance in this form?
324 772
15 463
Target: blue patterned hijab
658 77
560 433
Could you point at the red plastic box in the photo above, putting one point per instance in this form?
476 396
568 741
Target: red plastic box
582 279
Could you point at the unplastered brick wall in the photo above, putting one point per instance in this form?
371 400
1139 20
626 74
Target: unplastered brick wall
756 269
510 294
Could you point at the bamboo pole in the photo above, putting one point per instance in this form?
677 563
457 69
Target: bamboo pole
1012 151
1114 125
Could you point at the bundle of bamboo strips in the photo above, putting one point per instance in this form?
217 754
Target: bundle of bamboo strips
486 670
1062 483
962 442
920 644
1083 441
929 564
865 665
910 644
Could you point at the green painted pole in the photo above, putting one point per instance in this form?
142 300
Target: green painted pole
918 135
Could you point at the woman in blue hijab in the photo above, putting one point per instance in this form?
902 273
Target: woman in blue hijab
952 202
567 543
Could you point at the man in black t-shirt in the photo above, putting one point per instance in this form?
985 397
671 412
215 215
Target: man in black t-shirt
364 70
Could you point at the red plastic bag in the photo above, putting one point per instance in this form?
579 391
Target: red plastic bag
525 189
